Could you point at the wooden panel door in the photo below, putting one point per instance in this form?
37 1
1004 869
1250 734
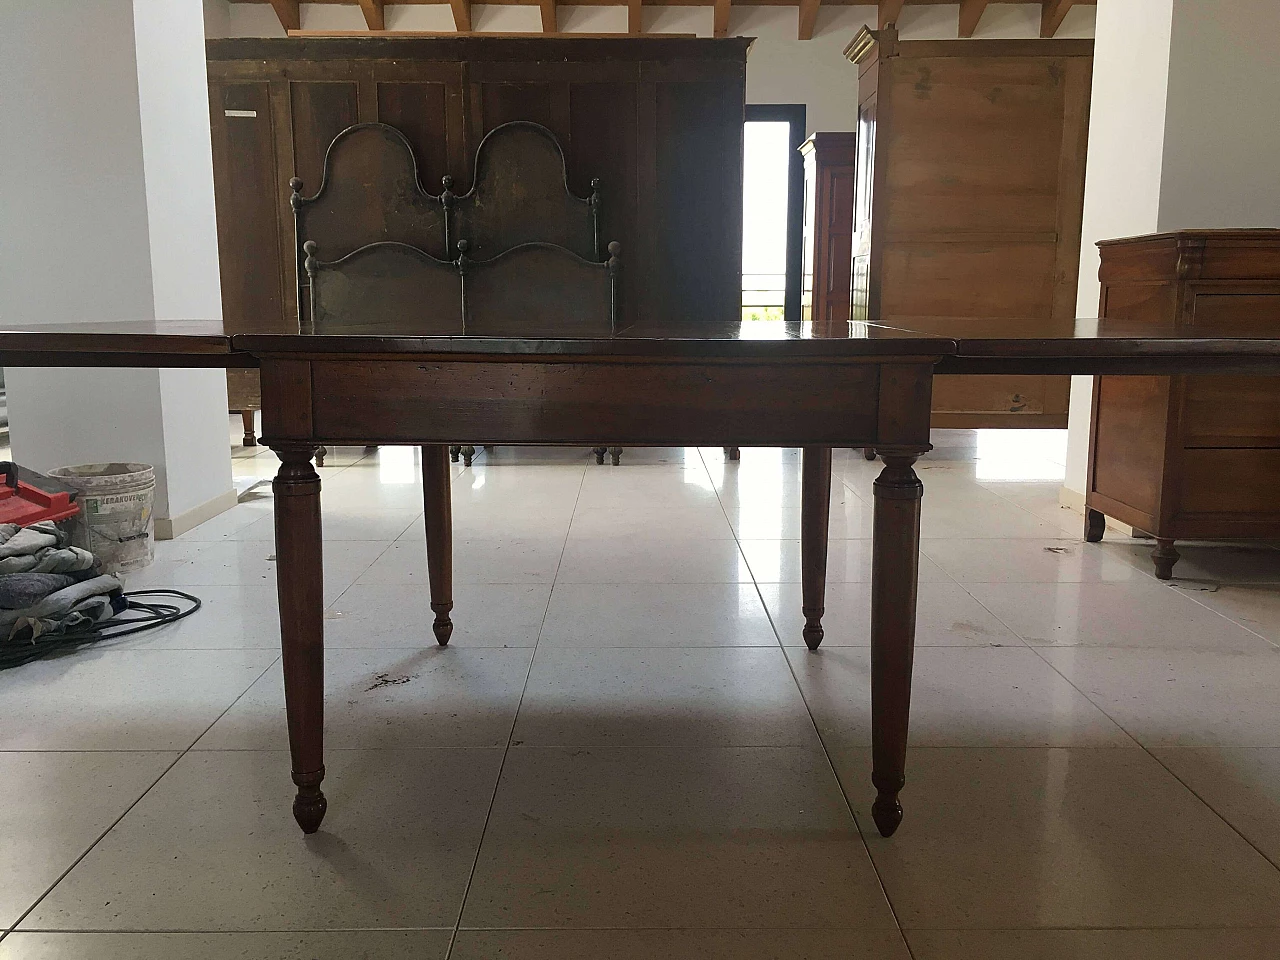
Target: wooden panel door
697 199
833 158
246 199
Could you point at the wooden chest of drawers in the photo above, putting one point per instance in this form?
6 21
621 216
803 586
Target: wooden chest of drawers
1188 457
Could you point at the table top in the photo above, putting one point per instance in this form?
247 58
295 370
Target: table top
962 345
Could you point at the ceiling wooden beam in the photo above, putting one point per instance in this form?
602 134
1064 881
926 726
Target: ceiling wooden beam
1051 14
374 17
889 10
461 15
721 18
634 23
808 17
289 14
970 13
548 8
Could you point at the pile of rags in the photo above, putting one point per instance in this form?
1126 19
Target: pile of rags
49 586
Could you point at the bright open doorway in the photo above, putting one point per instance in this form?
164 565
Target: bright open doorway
772 211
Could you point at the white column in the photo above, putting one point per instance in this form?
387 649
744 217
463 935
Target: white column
1183 133
107 214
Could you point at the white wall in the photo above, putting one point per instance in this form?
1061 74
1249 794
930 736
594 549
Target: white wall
73 234
177 156
780 68
1184 130
1222 130
112 221
1122 175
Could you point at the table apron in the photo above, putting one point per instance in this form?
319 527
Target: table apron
863 401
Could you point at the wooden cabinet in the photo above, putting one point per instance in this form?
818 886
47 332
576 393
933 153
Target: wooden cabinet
970 188
1188 457
659 121
829 164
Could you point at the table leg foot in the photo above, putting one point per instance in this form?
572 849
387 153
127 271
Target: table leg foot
813 632
868 453
443 626
599 452
887 810
615 455
309 805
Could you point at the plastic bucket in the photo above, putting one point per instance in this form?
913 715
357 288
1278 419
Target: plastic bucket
115 522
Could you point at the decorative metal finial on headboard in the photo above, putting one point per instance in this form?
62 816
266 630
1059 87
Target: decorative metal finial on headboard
312 262
595 214
615 262
295 198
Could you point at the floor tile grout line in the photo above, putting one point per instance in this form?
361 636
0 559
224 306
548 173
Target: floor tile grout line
1147 750
826 753
114 823
515 718
1173 585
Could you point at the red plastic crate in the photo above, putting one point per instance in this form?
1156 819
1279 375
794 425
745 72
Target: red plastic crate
35 498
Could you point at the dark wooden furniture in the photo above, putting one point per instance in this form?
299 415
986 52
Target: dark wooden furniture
969 197
829 163
876 379
1188 457
657 120
244 396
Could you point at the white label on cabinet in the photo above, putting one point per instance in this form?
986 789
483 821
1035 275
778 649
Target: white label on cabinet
240 113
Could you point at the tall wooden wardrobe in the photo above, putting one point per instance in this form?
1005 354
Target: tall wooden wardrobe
969 198
829 164
657 120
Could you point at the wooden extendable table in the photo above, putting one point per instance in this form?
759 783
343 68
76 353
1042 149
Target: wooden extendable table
710 384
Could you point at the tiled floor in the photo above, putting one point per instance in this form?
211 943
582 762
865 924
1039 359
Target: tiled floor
627 752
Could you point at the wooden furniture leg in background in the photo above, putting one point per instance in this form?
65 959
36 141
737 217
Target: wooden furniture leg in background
300 583
732 453
1095 524
250 427
1165 556
815 515
894 568
437 501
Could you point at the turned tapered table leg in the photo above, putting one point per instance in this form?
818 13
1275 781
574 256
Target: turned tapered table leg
300 583
815 514
894 568
250 427
438 514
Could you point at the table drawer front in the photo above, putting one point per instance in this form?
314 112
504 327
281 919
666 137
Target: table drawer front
618 402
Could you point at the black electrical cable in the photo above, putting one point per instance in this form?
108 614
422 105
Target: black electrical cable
151 615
